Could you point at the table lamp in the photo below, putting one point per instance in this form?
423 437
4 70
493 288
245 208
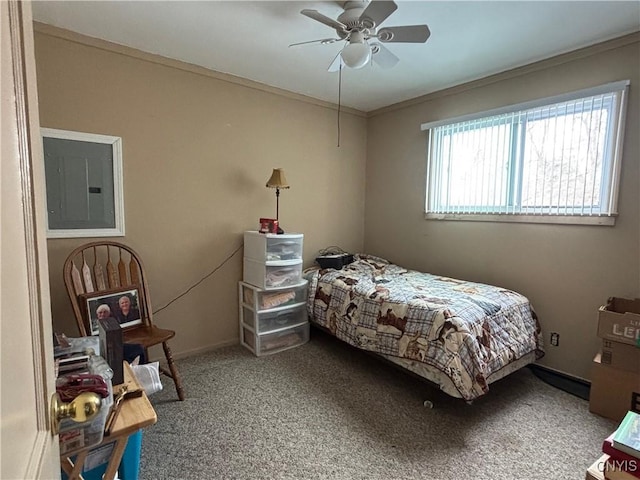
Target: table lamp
277 181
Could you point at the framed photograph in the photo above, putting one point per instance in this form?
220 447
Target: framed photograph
121 304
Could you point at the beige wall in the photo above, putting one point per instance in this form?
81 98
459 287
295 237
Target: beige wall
197 152
198 149
567 271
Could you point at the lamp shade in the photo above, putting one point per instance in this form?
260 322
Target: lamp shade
277 179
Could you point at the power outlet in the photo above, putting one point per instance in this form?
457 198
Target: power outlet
555 339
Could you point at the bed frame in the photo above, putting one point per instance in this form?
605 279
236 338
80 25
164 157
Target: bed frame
427 374
459 336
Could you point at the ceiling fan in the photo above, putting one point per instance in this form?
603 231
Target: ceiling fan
359 27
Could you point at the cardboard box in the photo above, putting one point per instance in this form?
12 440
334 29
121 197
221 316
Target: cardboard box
621 355
613 391
619 320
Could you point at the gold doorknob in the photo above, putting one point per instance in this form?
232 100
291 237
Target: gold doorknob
81 409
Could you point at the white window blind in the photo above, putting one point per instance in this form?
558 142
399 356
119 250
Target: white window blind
558 157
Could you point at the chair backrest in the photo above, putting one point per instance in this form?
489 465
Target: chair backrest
105 270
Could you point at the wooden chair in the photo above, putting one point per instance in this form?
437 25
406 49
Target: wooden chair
113 267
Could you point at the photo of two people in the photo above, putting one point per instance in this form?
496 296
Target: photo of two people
121 305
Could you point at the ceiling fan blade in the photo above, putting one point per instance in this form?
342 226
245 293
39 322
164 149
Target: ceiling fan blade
383 56
378 11
335 65
323 41
407 34
330 22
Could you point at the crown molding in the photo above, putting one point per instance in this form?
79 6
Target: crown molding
71 36
515 72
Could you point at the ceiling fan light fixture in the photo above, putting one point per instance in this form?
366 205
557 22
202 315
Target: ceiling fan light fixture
359 23
356 54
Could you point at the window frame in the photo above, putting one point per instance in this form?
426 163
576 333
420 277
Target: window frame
118 191
610 176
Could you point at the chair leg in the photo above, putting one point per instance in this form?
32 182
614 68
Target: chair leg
174 370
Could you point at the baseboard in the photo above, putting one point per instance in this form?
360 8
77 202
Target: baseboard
209 348
568 383
196 351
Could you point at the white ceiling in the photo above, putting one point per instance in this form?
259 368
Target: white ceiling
469 39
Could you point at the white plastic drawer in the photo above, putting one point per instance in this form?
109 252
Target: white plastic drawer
283 249
284 339
266 299
272 276
269 343
268 247
274 320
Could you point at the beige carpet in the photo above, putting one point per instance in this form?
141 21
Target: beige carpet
328 411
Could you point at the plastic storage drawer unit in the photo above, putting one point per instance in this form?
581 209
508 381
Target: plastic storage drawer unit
272 296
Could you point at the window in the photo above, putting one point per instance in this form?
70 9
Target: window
83 174
553 160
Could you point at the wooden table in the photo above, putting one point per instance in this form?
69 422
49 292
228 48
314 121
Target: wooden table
135 413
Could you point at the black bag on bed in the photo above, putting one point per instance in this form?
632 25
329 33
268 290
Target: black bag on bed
333 259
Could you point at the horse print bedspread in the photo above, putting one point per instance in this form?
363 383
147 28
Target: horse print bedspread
466 330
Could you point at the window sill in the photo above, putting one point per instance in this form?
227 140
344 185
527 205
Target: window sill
604 220
86 233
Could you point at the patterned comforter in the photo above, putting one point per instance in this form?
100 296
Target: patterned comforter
466 330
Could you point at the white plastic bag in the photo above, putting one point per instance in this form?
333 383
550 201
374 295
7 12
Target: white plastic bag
148 376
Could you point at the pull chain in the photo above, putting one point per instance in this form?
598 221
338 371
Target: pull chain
339 98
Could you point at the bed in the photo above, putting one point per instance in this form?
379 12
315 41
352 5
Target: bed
459 335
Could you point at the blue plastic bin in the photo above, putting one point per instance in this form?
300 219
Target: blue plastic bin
129 466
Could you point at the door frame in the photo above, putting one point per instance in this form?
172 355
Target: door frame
25 156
